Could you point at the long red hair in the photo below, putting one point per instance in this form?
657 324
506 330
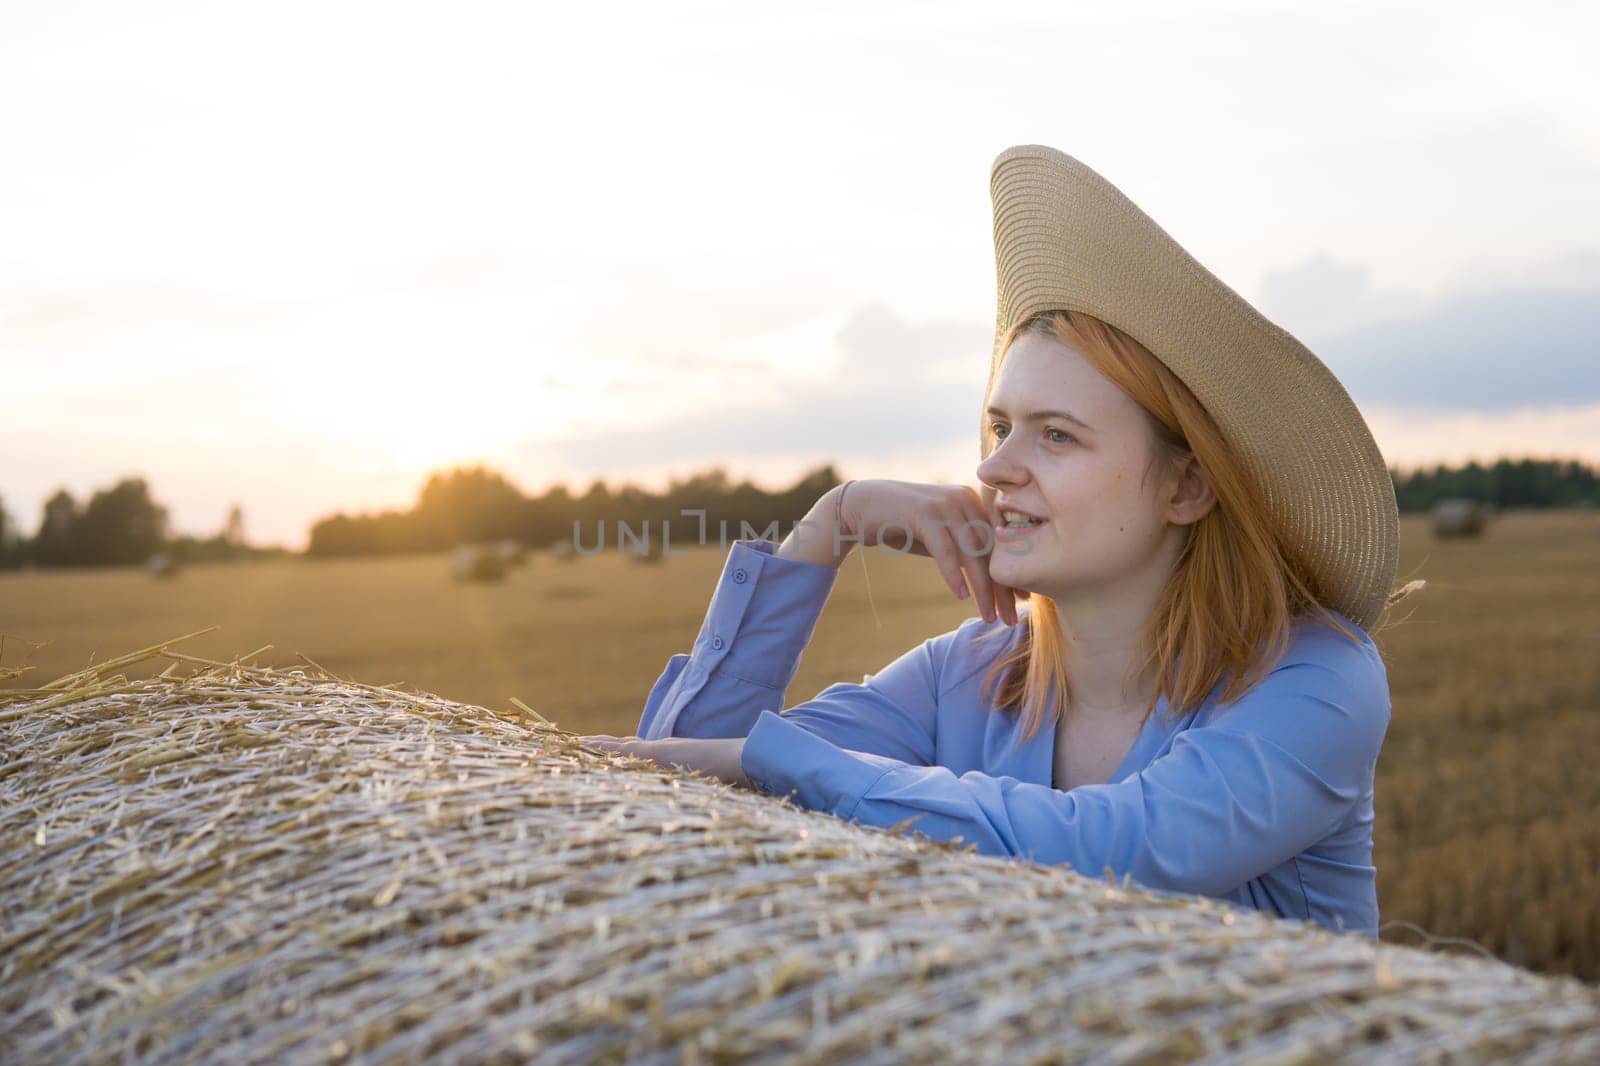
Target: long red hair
1239 584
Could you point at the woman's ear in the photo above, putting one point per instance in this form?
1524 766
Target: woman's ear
1192 497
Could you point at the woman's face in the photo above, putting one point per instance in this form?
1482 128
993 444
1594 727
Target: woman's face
1106 521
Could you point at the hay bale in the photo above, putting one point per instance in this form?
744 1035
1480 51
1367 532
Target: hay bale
1460 517
162 564
251 865
512 552
477 562
564 550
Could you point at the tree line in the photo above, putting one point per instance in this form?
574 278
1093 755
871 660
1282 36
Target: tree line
1508 483
118 526
477 504
124 524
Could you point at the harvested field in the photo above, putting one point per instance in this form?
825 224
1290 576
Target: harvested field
1486 788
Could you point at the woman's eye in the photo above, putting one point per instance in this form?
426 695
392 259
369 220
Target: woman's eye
996 427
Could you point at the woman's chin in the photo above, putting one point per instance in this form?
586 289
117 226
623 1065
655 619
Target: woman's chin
1012 578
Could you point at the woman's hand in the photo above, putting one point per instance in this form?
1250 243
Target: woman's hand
718 757
952 524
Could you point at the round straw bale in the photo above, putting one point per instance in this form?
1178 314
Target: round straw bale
246 865
478 562
162 564
512 552
1460 517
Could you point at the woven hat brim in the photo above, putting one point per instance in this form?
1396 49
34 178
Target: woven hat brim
1066 238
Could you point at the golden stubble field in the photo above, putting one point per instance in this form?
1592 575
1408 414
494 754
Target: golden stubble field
1487 792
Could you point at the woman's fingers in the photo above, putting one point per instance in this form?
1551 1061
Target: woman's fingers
1005 601
971 566
982 547
979 539
946 556
718 757
659 752
953 525
974 539
605 742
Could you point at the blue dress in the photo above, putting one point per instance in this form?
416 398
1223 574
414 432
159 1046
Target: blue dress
1265 802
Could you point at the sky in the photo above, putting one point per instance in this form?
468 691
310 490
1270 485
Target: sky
297 255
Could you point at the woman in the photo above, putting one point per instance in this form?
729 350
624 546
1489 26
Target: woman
1205 533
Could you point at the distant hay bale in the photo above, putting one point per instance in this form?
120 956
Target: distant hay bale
512 552
564 550
1460 517
249 866
477 562
162 564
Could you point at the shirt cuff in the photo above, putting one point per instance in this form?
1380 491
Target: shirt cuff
763 614
783 759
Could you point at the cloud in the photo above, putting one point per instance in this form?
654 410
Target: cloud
1323 295
1490 345
903 397
1497 347
880 349
897 386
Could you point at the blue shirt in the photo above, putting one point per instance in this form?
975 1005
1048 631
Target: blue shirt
1264 802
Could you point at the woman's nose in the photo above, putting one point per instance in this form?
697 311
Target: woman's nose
1000 467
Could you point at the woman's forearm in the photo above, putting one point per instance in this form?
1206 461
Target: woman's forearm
818 538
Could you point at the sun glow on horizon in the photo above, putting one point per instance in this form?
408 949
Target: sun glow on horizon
641 244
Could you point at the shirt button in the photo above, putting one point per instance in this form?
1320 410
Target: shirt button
739 576
716 642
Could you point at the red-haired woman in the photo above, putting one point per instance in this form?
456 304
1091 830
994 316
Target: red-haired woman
1204 533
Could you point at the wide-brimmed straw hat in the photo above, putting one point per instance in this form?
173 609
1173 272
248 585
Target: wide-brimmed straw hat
1065 238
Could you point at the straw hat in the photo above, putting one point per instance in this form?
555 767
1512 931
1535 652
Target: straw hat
1066 238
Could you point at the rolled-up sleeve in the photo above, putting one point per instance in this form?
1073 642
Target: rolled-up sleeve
763 613
1272 774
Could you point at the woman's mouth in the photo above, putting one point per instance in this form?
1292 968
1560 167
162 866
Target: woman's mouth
1018 530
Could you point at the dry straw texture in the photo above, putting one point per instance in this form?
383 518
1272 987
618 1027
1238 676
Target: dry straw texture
249 865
